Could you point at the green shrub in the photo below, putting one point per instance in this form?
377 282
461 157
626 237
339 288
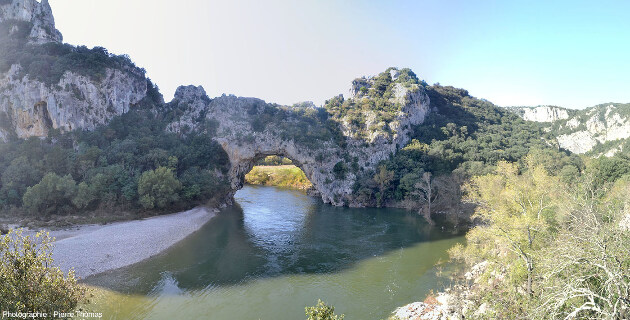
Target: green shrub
158 188
29 282
340 169
53 194
321 311
279 176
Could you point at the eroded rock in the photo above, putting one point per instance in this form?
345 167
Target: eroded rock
249 129
31 108
37 15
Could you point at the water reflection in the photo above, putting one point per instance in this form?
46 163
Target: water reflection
271 233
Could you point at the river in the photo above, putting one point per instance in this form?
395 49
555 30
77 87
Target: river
277 251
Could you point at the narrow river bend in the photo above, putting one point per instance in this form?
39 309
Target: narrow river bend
276 252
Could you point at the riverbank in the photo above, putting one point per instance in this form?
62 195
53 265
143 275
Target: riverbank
92 249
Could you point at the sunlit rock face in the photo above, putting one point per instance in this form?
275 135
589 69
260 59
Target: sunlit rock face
37 15
249 129
581 131
595 126
31 108
542 113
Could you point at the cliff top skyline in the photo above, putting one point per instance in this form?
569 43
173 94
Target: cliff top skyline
521 53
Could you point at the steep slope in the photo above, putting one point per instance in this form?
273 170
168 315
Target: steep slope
461 137
372 148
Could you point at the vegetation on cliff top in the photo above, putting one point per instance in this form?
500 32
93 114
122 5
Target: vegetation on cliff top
375 105
308 126
48 62
466 136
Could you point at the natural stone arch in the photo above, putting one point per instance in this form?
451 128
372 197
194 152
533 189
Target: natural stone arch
243 156
243 164
249 128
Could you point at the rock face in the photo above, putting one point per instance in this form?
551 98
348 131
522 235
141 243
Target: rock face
594 126
582 131
37 15
542 113
236 119
31 108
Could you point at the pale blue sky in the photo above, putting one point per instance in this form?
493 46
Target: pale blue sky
569 53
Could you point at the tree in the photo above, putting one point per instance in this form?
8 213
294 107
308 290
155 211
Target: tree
85 195
427 190
28 282
158 188
585 273
53 194
518 214
383 180
19 175
449 196
322 312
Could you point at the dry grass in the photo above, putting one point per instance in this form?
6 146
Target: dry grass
288 176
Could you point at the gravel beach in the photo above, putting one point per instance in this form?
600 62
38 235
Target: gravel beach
93 249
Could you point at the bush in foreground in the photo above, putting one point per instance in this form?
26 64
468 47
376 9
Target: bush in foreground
322 312
28 282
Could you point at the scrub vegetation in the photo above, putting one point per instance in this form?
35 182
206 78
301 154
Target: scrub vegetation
464 137
549 249
48 62
29 283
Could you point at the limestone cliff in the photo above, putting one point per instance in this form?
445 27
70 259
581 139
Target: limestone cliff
35 15
602 130
603 127
30 107
542 113
46 85
249 129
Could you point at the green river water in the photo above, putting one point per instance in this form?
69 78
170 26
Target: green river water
277 251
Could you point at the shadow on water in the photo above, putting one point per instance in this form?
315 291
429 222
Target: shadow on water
271 233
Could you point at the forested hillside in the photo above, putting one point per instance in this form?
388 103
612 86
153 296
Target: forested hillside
463 136
130 165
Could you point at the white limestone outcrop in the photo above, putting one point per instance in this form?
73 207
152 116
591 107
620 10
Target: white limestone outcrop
31 108
542 113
